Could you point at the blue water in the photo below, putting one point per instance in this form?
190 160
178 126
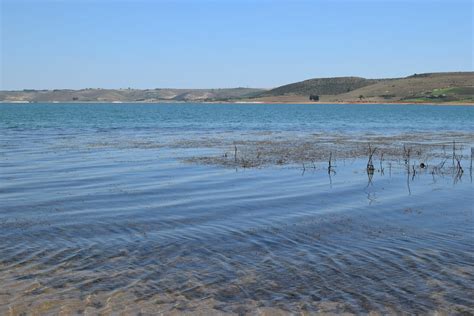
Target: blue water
101 211
224 117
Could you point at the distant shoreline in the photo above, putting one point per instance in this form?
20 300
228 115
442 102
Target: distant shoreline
356 103
243 102
448 88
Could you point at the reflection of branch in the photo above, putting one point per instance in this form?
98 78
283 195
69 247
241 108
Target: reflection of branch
330 166
454 151
470 168
381 163
370 198
434 178
370 195
370 176
330 179
408 181
370 165
459 169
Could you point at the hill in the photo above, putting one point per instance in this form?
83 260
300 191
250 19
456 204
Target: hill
127 95
321 86
447 87
429 87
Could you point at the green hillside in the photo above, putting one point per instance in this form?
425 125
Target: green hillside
321 86
428 87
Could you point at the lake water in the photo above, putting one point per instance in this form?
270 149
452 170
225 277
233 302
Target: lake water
108 208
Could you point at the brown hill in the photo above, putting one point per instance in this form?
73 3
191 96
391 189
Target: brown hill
429 87
434 87
127 95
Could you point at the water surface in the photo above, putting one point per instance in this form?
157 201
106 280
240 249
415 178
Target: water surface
101 211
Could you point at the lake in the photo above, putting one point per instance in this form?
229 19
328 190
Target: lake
239 209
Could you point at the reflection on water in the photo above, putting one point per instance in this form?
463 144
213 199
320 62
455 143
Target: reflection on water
127 225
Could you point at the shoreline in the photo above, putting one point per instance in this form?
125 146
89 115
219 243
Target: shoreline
240 102
355 103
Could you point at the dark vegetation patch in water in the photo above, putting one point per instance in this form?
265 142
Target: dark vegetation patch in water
380 152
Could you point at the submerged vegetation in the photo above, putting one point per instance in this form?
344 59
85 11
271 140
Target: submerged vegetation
311 150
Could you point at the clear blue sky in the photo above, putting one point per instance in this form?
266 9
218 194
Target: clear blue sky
203 44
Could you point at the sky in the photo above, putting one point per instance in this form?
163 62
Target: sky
75 44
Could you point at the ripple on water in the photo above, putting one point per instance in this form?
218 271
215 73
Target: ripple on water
102 219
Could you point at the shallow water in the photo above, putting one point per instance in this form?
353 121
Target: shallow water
101 211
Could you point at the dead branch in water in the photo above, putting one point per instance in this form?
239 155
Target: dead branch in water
381 163
251 154
370 165
441 165
459 168
472 153
406 156
330 166
454 151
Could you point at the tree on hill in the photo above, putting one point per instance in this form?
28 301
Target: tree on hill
314 97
